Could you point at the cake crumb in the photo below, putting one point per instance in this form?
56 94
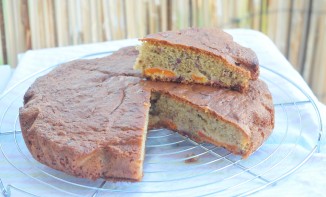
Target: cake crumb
192 159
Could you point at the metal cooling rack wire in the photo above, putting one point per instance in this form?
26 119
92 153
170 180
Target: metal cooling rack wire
6 191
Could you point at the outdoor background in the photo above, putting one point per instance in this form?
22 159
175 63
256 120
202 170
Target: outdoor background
297 27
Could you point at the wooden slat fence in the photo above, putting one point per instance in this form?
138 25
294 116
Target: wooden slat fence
298 27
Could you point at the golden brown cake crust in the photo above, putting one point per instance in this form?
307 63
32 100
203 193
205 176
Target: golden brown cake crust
74 118
213 42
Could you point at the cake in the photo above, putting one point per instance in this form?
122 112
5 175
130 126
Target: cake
197 55
89 118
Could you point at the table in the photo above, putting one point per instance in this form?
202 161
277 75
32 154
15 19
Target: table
309 180
5 76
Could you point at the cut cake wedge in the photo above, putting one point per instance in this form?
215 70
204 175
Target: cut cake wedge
197 55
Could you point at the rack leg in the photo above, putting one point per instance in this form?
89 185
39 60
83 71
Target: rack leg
5 191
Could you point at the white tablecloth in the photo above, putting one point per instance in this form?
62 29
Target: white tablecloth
5 75
309 180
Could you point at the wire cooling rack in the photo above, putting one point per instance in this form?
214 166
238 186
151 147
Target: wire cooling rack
174 165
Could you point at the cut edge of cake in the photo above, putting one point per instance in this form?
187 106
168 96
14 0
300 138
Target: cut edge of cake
202 124
193 122
172 56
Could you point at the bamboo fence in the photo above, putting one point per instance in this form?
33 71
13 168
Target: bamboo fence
297 27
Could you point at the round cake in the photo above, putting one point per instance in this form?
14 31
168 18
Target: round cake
89 118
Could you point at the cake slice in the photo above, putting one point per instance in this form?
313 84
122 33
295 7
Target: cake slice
239 122
197 55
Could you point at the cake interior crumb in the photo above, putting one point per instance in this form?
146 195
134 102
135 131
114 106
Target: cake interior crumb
171 113
159 61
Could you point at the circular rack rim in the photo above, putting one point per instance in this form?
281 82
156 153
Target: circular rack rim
268 183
